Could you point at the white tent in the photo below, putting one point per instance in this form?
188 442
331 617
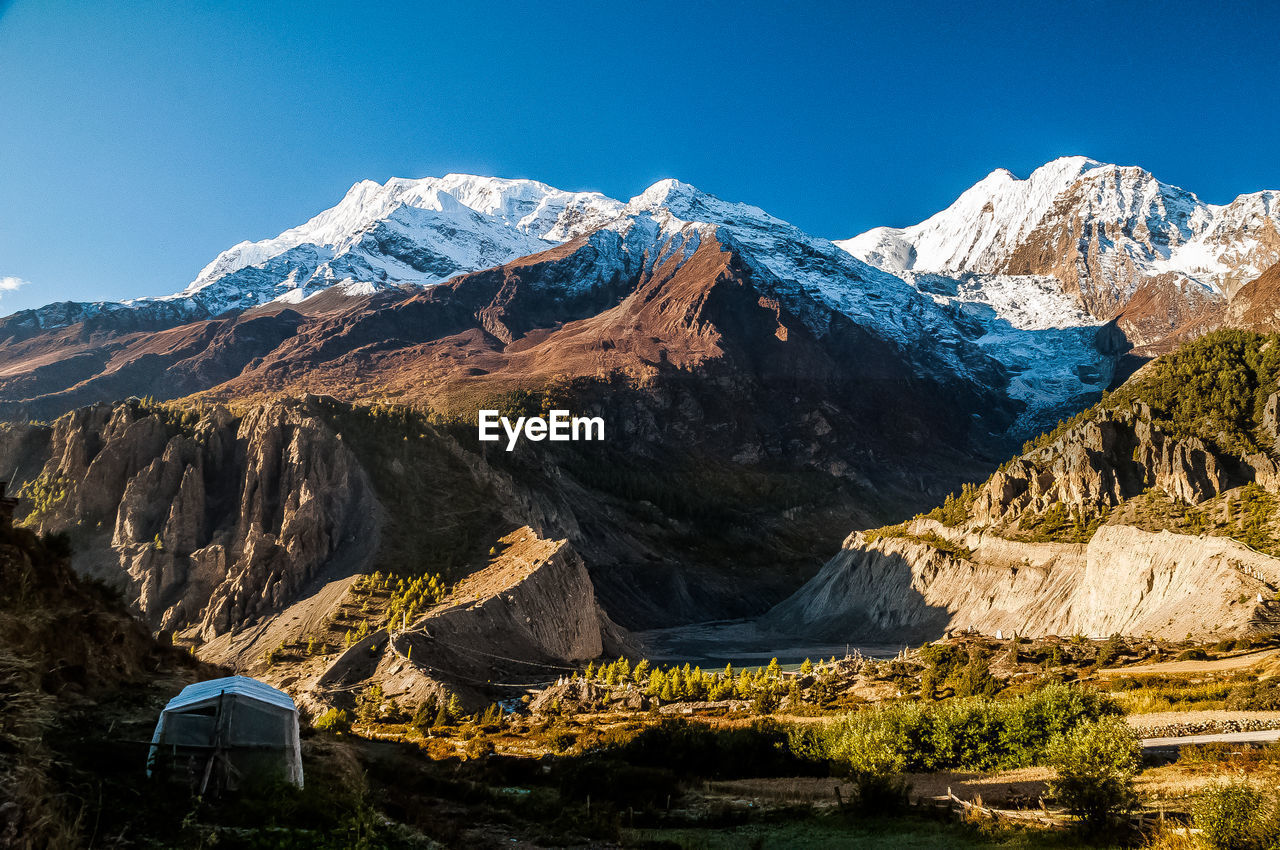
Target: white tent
236 724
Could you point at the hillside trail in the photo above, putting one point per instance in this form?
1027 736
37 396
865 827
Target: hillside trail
1237 662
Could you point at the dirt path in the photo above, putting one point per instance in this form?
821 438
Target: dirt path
1263 737
1236 662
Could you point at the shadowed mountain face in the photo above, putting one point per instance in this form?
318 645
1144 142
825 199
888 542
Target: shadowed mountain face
1154 512
761 389
739 441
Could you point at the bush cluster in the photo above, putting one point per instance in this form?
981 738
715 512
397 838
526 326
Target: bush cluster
974 733
1237 816
1096 763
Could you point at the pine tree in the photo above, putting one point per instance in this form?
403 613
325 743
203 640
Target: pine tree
641 673
806 669
697 684
370 705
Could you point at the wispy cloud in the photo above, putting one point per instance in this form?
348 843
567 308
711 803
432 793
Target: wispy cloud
9 284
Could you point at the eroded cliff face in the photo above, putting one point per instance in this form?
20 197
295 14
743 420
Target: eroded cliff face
1123 497
240 532
1124 580
526 618
1115 456
208 520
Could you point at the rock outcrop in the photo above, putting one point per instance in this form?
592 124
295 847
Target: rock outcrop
1124 580
1121 520
1108 458
527 618
210 520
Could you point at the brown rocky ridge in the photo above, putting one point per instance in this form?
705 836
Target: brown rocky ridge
1120 521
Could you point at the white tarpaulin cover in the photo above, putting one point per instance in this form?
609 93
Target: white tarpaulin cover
240 720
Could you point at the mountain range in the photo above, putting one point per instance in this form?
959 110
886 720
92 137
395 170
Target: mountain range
764 390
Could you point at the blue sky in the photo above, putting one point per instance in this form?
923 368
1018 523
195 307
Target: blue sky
139 139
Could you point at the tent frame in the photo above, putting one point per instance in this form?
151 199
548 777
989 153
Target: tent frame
223 695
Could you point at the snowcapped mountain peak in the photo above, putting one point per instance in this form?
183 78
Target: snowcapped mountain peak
1098 232
1067 168
414 231
663 194
978 230
689 203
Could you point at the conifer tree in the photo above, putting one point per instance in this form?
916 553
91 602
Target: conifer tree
641 673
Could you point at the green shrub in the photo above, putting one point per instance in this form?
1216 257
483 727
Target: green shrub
1110 651
1096 763
334 720
1193 655
766 701
1236 816
969 733
876 764
1255 696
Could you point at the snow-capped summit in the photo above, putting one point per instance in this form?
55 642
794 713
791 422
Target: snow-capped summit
402 232
1103 231
422 232
689 203
978 230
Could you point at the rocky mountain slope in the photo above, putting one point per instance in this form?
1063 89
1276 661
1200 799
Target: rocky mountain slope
750 403
209 521
1115 240
381 245
1154 512
761 387
239 531
67 648
528 616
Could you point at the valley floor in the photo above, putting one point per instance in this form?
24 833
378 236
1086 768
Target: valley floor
743 643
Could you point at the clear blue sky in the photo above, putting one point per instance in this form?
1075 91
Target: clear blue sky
140 139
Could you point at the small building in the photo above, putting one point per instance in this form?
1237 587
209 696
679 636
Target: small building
223 730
